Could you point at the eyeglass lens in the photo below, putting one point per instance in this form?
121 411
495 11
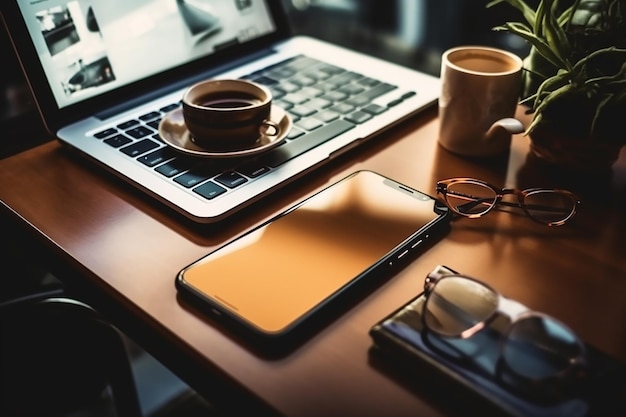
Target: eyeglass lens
456 304
468 198
539 347
548 206
535 347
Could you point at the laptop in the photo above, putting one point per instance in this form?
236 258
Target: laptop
105 73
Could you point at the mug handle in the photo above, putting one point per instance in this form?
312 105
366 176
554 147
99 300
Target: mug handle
269 128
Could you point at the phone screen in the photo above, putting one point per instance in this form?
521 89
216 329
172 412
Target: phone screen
280 272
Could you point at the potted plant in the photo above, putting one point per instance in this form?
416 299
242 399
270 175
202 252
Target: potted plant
574 79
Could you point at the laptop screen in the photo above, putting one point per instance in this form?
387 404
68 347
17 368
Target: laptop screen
89 47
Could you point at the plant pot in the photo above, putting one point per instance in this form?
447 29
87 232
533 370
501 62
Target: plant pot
576 154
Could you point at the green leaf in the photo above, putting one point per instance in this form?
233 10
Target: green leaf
554 33
543 48
554 95
578 50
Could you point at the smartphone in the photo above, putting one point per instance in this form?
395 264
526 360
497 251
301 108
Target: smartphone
274 279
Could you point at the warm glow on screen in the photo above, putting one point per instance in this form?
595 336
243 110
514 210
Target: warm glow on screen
276 274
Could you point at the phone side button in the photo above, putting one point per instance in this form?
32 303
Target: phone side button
416 244
403 254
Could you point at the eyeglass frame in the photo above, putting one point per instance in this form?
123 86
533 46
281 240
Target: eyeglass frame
513 311
442 188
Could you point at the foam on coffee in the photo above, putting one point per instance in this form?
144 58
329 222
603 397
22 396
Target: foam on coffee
483 62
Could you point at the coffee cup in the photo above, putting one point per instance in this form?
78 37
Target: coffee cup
480 90
228 113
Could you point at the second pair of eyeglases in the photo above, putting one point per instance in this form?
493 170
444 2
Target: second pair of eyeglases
474 198
535 346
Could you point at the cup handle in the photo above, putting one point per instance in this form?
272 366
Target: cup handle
269 128
511 125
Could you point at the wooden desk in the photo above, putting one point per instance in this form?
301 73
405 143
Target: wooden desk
122 251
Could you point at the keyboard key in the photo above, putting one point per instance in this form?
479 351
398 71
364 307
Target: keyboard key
253 169
359 101
150 116
351 89
309 123
331 69
335 96
327 116
295 98
105 133
174 167
118 140
326 86
157 157
302 80
231 179
401 98
282 104
369 82
311 92
295 133
265 80
169 108
288 87
191 178
139 132
342 108
359 117
378 90
317 74
319 103
154 124
281 73
139 148
346 78
374 109
209 190
302 110
128 124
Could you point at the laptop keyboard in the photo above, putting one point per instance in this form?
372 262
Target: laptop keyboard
323 101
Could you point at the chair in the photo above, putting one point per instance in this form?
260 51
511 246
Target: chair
58 354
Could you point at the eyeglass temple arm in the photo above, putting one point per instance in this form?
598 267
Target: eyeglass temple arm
437 273
473 201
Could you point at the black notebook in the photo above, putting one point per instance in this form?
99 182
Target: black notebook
464 373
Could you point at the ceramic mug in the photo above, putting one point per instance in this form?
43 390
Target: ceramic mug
480 90
230 113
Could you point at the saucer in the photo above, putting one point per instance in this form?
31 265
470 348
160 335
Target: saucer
174 133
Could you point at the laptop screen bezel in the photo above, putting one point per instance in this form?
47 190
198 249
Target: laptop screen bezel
54 117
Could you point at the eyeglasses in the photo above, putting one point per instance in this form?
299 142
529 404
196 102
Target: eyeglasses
474 198
534 346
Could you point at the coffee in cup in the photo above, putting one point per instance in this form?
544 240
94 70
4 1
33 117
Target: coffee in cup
228 114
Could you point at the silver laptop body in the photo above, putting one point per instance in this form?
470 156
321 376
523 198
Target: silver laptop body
105 72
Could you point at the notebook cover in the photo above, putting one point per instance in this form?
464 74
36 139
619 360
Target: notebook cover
399 343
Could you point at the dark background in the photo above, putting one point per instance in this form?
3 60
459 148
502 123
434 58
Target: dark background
413 33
